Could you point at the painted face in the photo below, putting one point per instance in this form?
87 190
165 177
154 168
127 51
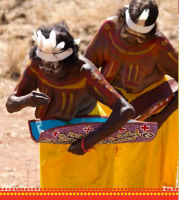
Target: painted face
131 37
52 70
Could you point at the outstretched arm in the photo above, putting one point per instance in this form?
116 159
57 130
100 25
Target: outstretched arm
24 94
33 99
122 112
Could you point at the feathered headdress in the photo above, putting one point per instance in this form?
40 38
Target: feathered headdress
48 49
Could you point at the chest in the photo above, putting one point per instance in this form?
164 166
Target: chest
64 98
129 63
63 92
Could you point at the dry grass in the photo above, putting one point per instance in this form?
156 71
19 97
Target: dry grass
16 53
83 18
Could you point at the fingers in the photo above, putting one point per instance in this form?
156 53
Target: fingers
39 97
39 94
38 103
69 149
74 149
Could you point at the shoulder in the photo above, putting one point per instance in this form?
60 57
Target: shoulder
88 66
31 68
102 33
32 64
162 41
89 69
108 24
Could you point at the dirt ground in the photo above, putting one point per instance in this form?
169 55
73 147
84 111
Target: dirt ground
19 155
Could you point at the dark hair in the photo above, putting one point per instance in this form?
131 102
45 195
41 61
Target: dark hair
62 34
136 8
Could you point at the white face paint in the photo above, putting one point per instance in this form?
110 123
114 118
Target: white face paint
53 67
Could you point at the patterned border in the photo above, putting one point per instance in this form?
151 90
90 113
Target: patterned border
160 190
80 193
95 191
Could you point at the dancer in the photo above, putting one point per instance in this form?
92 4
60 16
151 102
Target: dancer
70 86
135 58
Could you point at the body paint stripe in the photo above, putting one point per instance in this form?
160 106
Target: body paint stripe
79 85
101 95
109 72
137 70
63 101
172 57
70 103
130 70
130 52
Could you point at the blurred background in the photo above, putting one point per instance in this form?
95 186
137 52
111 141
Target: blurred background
19 155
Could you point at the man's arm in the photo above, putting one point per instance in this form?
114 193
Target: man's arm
167 62
24 94
122 112
161 117
95 49
167 59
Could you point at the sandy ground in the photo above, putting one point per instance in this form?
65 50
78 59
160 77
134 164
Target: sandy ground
19 155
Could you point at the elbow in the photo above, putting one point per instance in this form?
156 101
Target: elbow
127 111
8 108
130 112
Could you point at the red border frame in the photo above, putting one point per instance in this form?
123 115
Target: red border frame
161 193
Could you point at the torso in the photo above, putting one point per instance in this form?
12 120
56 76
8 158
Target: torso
130 68
69 98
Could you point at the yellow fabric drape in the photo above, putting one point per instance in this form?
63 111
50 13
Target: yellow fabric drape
60 169
131 165
150 164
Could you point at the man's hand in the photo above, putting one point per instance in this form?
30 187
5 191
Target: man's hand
35 99
76 148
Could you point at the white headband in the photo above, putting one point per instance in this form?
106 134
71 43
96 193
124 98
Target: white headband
48 50
135 27
54 57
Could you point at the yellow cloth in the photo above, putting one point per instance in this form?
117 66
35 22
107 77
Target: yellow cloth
152 164
60 169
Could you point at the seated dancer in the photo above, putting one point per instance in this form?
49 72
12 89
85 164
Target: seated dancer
70 86
135 58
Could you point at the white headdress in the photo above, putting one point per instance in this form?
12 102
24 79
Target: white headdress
139 27
48 49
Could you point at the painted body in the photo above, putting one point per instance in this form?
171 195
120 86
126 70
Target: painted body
132 67
133 70
75 94
69 97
